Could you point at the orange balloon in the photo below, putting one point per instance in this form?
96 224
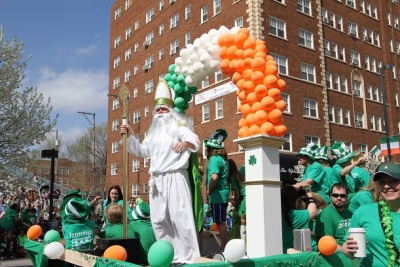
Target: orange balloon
269 57
230 39
223 52
260 54
268 103
271 62
327 245
116 252
239 65
260 48
232 66
250 43
248 53
247 74
239 54
230 52
225 66
248 86
280 130
241 95
275 93
242 122
271 70
34 232
256 106
270 81
244 31
257 77
251 98
275 115
240 38
247 63
260 116
243 132
250 119
240 83
254 130
258 64
260 42
245 109
281 105
281 85
261 90
222 41
267 128
236 77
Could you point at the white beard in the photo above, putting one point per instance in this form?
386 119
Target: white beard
162 134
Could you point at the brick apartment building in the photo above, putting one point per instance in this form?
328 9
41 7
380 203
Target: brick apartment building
330 54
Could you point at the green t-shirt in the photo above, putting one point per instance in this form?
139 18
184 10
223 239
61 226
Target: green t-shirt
220 193
8 221
117 231
367 217
143 230
361 198
333 223
79 236
357 178
121 203
316 172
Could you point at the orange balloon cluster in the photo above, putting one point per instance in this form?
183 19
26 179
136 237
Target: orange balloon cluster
255 74
116 252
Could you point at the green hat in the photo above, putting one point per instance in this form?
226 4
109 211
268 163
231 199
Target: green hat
387 168
341 152
73 193
322 153
141 212
309 150
138 200
76 210
216 139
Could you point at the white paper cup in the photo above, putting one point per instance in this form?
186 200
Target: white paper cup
358 234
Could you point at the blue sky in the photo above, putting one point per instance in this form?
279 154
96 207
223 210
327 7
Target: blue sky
69 45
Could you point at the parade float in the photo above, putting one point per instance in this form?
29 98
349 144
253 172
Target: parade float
255 74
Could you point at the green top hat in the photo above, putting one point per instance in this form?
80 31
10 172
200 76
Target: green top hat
216 139
76 210
73 193
387 168
341 152
140 212
309 150
322 153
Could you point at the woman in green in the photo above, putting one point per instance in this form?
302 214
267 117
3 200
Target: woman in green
10 221
114 196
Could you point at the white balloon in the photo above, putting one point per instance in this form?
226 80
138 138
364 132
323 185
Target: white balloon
184 53
184 70
54 250
197 43
194 57
197 66
190 70
223 30
212 33
215 65
179 61
235 250
214 51
204 39
190 81
205 58
178 70
214 41
235 30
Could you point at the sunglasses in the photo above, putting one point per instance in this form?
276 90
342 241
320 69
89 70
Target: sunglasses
339 195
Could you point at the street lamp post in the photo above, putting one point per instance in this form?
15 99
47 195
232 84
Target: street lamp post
385 115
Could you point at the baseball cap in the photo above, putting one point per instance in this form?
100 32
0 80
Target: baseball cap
387 168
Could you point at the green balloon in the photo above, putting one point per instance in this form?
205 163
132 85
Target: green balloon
171 84
51 236
178 88
174 78
171 68
185 106
161 254
179 110
181 78
193 89
179 102
187 96
167 77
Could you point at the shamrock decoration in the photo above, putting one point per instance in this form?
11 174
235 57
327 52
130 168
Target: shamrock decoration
252 160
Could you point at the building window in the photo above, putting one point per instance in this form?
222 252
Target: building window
116 82
135 92
117 13
206 82
287 146
282 63
136 47
277 27
356 88
204 14
115 104
127 76
149 39
136 70
114 147
306 38
239 22
161 5
161 29
217 7
307 72
145 188
146 111
310 108
174 47
117 61
128 32
135 165
304 6
146 162
352 29
205 113
188 38
174 21
135 190
346 117
149 87
331 113
161 54
114 169
286 98
136 25
149 15
218 76
149 62
188 11
311 139
358 118
136 116
128 53
339 115
115 125
191 121
219 109
363 148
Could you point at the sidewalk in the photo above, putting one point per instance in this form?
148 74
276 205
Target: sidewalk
17 263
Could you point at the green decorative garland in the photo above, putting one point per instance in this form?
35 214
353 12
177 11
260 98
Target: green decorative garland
386 222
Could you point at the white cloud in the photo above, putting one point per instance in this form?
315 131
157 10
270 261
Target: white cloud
74 90
85 51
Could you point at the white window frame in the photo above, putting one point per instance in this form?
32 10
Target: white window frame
282 63
286 98
128 32
306 38
114 169
205 113
307 72
127 76
128 53
114 147
135 190
115 125
116 82
188 38
174 21
161 54
115 104
135 165
310 108
174 47
219 109
217 7
149 86
277 27
136 116
304 6
188 11
203 14
161 29
146 111
149 15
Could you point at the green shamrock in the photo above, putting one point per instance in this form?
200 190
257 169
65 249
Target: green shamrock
252 160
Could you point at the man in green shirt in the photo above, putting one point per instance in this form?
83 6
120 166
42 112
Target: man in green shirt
334 220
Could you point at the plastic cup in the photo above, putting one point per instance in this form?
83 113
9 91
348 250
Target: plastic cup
358 234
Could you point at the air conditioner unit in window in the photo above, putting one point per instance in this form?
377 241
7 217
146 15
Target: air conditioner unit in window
325 20
352 32
359 124
398 51
146 67
365 38
172 1
396 25
146 43
136 168
356 93
354 62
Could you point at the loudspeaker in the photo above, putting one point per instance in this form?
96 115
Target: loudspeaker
302 239
131 246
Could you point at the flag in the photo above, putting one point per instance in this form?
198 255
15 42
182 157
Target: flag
376 151
394 145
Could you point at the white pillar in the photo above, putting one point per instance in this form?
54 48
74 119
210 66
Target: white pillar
263 195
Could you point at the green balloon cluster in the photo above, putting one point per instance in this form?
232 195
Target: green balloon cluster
183 93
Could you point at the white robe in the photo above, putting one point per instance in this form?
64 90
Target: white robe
171 211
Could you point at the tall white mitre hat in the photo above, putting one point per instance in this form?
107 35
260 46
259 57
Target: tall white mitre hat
163 95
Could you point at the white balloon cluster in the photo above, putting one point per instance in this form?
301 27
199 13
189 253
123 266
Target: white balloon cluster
201 59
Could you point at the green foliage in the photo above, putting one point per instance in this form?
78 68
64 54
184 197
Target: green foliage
24 113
